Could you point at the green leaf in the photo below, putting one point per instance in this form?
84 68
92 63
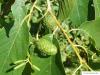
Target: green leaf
65 6
18 10
93 28
13 41
97 8
48 65
79 12
75 10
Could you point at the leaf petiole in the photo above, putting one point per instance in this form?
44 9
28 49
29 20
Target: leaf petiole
19 61
20 65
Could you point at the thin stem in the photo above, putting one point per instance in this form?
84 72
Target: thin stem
93 56
38 8
35 67
78 30
24 19
37 34
88 66
28 60
67 37
19 61
74 30
30 13
49 5
77 69
20 65
28 16
55 30
48 8
43 16
81 47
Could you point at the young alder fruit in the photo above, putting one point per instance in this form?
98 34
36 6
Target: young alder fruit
46 46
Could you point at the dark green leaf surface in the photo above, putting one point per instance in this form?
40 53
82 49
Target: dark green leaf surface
13 41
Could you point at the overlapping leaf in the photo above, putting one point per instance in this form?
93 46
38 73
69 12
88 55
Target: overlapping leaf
65 6
79 12
48 65
93 28
75 10
13 40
